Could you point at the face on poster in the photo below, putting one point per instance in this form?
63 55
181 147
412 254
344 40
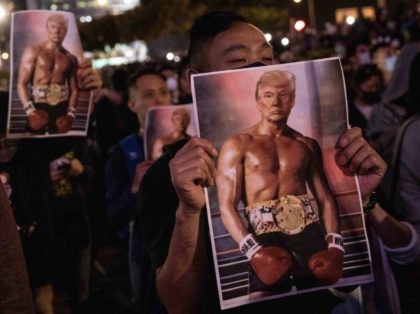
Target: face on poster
165 125
45 98
277 183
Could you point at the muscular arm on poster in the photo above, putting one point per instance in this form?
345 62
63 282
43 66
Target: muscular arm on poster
72 83
318 185
229 186
26 70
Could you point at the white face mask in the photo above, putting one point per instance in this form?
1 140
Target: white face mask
390 63
364 58
172 83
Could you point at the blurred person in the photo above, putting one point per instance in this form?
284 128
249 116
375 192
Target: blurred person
384 56
274 196
124 170
368 86
358 53
31 197
184 90
395 133
47 81
180 120
171 196
15 292
113 118
170 73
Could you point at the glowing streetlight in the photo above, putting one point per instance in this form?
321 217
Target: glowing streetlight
170 56
3 12
5 56
177 58
268 36
350 20
102 2
300 25
285 41
297 1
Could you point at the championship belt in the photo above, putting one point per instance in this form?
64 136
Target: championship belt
51 94
290 215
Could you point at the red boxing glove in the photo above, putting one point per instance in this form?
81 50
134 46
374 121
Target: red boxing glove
63 123
327 265
37 119
269 263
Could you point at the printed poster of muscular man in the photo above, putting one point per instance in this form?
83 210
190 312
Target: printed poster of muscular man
165 125
283 218
45 99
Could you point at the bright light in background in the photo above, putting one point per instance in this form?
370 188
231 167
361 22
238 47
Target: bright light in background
102 2
53 7
285 41
5 56
297 1
268 36
85 19
177 58
350 20
299 25
170 56
3 12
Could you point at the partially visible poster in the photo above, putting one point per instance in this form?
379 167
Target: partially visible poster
165 125
283 218
45 99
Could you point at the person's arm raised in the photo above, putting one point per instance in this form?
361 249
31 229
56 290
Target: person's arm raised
179 281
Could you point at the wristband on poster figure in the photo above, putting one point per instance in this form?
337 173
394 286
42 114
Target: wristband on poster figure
72 112
249 246
336 241
29 107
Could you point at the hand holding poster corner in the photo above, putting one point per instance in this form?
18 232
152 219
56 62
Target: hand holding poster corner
165 125
286 206
45 99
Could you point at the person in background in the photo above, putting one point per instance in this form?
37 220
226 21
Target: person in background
368 85
125 167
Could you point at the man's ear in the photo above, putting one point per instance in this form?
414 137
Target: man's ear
132 105
188 73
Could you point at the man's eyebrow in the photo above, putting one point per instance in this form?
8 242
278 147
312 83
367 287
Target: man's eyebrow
235 47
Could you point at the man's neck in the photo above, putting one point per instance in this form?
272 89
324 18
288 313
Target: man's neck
272 129
51 45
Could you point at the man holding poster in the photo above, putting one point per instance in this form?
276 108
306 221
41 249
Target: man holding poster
268 166
50 72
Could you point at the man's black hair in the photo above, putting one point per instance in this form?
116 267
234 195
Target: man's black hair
119 79
142 72
206 28
365 72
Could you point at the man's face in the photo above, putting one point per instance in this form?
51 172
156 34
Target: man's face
57 30
150 91
240 45
180 122
275 101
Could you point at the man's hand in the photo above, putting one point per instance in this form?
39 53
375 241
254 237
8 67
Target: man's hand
327 265
87 77
141 169
355 156
193 168
37 119
63 123
270 264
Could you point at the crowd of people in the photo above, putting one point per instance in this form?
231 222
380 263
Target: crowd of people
73 198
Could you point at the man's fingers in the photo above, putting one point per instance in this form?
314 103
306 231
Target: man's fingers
348 137
197 142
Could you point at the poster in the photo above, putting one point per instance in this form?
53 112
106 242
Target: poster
276 128
45 99
165 125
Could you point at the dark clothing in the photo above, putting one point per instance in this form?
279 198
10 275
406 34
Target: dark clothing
15 295
301 246
121 207
158 203
54 112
